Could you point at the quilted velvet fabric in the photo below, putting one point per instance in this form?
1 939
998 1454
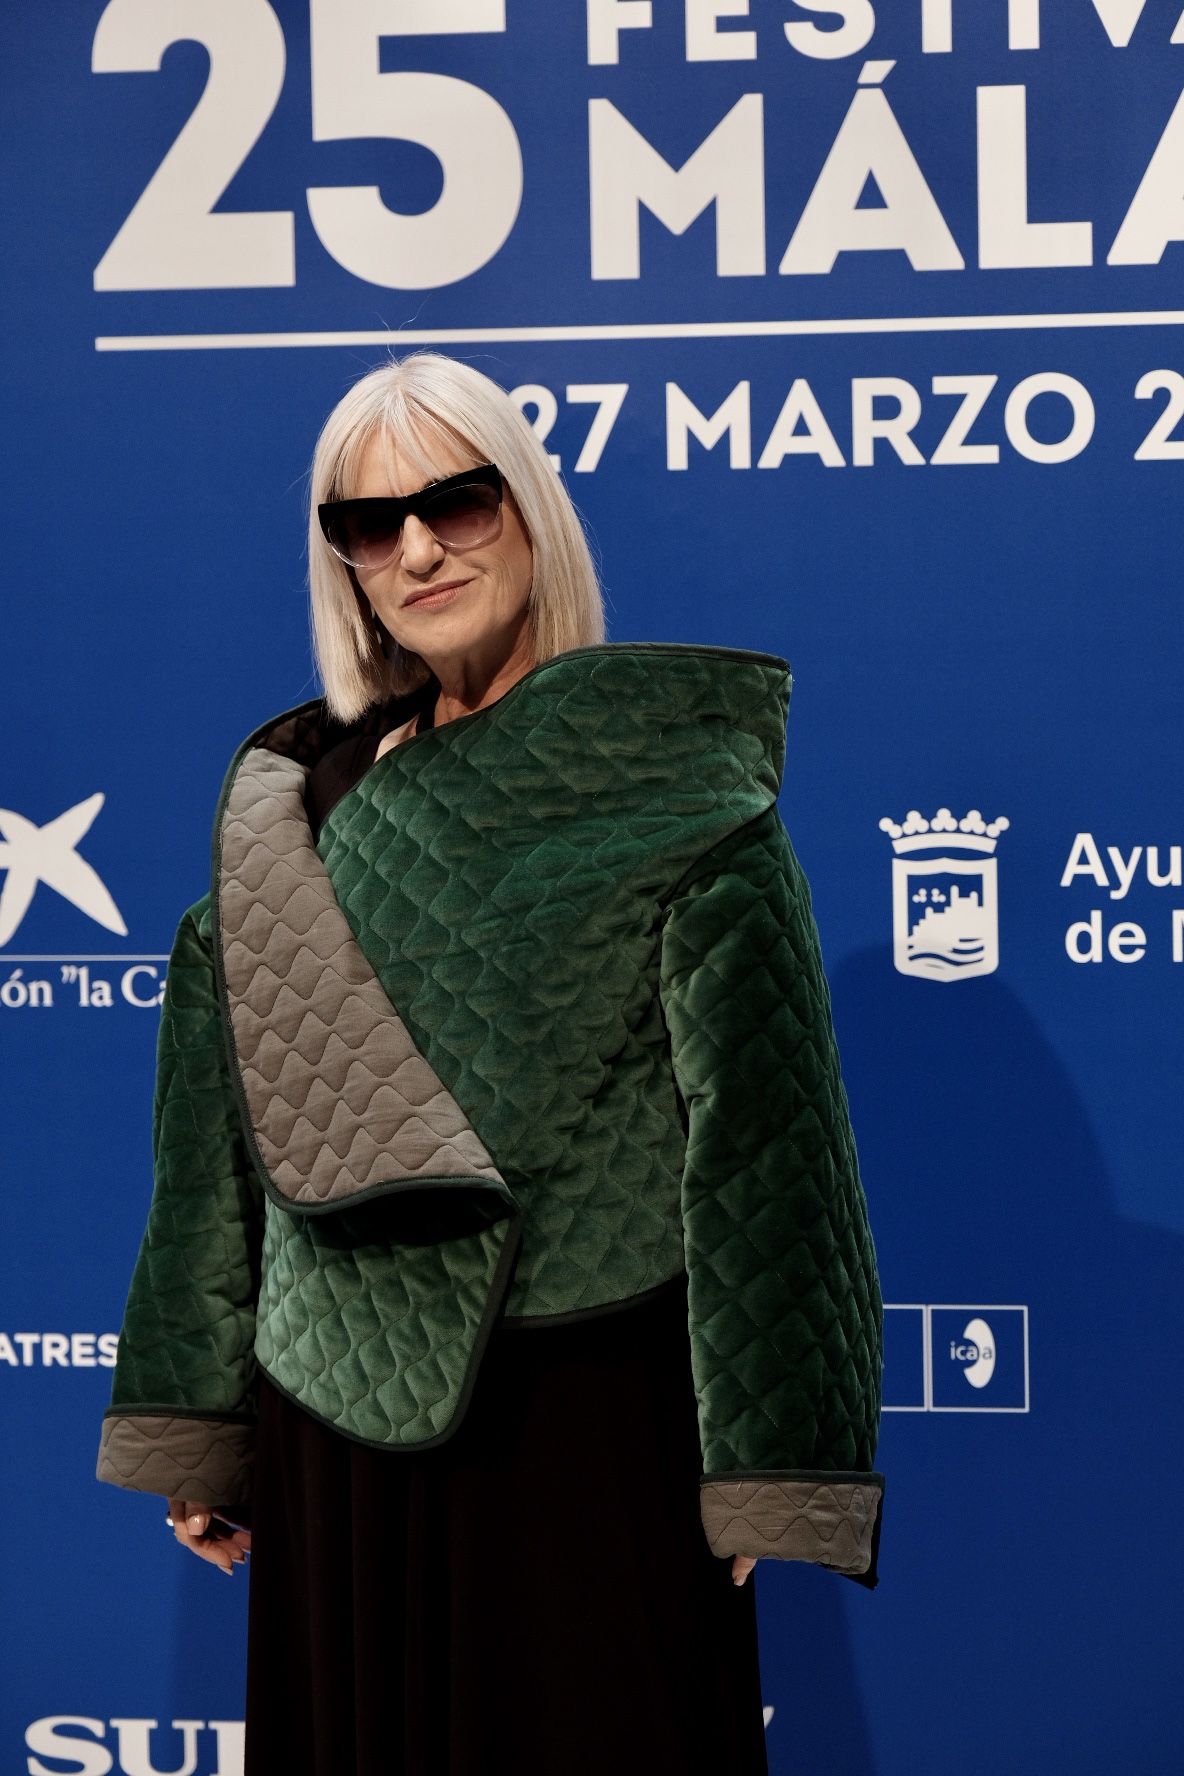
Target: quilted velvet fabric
784 1300
536 1022
340 1097
182 1401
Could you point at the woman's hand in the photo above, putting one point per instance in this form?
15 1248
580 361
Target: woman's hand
741 1567
191 1526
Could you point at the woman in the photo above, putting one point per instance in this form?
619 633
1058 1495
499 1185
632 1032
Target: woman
507 1287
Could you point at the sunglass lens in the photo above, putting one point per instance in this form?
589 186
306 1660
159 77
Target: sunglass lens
462 516
365 539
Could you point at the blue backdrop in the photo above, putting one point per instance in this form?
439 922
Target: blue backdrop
854 334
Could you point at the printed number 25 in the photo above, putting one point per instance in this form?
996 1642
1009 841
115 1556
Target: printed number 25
173 240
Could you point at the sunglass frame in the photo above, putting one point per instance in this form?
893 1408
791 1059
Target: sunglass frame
395 507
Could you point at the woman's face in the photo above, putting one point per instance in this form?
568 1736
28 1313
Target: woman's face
483 619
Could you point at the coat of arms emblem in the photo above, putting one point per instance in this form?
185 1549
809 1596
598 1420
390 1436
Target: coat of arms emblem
945 920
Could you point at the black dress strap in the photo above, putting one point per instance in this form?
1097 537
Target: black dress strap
338 769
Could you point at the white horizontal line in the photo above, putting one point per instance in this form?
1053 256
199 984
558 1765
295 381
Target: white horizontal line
1151 317
127 956
1026 1409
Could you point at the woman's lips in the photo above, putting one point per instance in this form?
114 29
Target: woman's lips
437 595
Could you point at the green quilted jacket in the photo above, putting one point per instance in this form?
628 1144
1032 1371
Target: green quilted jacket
536 1023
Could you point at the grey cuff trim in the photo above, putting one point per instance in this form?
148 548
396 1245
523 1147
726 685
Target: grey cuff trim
829 1520
208 1460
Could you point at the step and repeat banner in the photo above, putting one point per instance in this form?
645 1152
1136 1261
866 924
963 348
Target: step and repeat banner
856 331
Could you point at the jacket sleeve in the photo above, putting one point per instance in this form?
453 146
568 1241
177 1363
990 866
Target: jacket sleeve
786 1318
182 1412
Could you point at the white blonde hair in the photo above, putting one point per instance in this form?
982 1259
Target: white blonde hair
421 400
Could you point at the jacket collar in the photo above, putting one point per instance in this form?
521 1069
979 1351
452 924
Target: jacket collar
671 683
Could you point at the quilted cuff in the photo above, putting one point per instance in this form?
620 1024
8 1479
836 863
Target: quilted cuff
829 1518
209 1460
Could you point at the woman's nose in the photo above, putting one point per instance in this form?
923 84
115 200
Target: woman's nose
420 547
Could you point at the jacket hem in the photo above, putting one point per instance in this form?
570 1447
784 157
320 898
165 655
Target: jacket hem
573 1316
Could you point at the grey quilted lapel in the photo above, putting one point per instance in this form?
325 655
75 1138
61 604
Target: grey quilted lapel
339 1100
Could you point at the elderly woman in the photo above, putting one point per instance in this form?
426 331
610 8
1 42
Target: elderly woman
507 1287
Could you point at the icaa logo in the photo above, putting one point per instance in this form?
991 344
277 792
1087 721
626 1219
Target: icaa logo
975 1352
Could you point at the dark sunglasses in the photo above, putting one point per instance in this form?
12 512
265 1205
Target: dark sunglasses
460 511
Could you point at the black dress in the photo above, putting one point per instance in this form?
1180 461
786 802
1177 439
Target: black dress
524 1598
